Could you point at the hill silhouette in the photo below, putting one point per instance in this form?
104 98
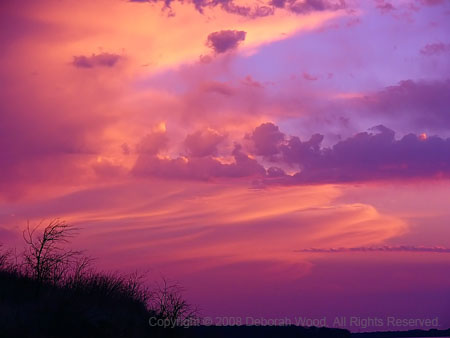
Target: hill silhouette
105 305
398 334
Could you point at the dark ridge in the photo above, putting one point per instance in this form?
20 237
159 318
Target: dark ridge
410 333
102 306
97 306
265 332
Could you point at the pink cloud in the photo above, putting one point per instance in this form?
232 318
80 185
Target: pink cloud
152 143
384 6
249 81
203 142
200 166
435 48
309 77
267 138
433 2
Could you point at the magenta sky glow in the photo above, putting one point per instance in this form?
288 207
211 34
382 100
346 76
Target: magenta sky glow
279 159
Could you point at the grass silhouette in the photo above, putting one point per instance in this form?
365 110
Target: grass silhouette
49 290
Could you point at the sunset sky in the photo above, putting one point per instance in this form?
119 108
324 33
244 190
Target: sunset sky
280 158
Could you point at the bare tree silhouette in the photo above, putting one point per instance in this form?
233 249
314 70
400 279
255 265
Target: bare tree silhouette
4 258
167 302
45 258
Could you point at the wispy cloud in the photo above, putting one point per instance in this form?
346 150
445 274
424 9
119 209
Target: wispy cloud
384 248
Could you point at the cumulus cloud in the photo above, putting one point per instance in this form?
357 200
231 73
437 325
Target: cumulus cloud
267 138
225 40
371 156
197 168
366 156
385 248
296 151
275 172
152 143
203 142
96 60
199 165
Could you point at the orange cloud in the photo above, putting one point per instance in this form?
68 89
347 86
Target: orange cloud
162 223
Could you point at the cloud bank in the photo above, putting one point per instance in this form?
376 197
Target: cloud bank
367 156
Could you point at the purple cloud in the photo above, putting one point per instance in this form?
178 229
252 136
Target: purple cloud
384 6
249 81
218 87
259 10
296 151
370 156
203 143
309 77
197 168
102 60
385 248
308 6
267 139
367 156
417 104
433 2
152 143
229 6
225 40
248 11
435 49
